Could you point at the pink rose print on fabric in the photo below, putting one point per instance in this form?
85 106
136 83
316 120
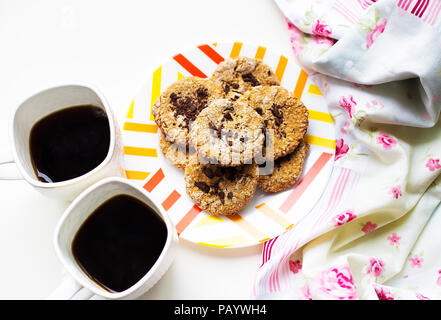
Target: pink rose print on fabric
295 266
373 35
386 141
329 42
396 192
345 127
383 293
306 292
438 281
295 38
375 267
394 239
343 218
369 227
338 283
433 164
348 103
321 29
340 149
421 296
416 261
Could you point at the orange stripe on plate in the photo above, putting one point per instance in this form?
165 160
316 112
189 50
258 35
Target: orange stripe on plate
260 53
281 66
136 175
187 219
170 200
140 127
138 151
211 53
235 51
305 182
300 85
273 215
190 67
154 180
247 227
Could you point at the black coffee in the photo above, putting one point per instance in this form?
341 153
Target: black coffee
69 143
119 242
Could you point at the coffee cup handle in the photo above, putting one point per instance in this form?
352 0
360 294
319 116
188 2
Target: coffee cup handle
8 171
70 289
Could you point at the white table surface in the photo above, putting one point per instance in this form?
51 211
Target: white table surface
113 45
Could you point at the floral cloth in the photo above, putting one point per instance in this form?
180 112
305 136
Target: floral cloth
374 234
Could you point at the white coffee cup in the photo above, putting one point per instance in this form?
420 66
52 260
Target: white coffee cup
42 104
77 285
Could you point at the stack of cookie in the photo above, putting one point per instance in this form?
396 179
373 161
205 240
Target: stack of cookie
231 133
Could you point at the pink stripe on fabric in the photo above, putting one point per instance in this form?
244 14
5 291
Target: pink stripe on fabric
265 247
270 249
277 275
362 4
265 255
339 195
343 10
332 198
430 10
435 15
271 282
344 15
420 8
424 9
417 5
408 4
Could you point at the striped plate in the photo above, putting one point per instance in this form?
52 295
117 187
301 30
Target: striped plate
267 215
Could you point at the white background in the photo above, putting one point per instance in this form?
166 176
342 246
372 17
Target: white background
113 45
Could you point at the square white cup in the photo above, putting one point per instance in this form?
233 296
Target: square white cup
44 103
80 209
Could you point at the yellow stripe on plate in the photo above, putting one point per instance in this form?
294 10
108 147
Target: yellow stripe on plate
280 69
235 51
273 215
180 76
314 90
247 227
260 53
137 151
136 175
208 221
226 242
320 116
131 109
140 127
156 89
319 141
300 85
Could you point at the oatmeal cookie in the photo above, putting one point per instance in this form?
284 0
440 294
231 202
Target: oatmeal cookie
227 134
176 154
236 76
285 117
221 190
180 104
287 170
